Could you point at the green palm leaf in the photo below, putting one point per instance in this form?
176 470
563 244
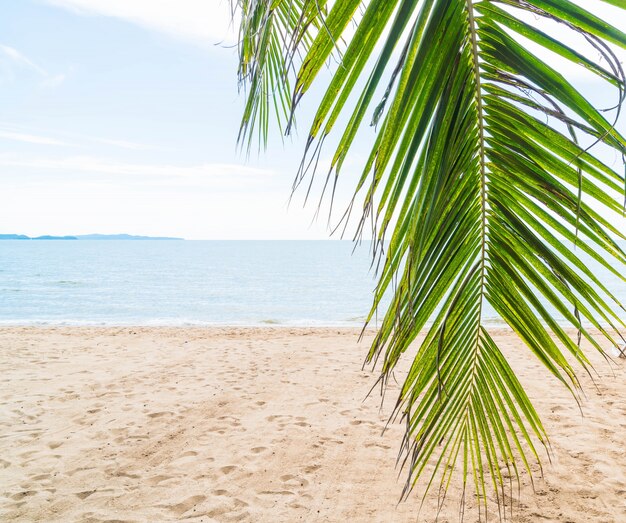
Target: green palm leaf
484 189
271 34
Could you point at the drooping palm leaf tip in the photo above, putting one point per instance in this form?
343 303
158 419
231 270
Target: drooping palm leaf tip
484 169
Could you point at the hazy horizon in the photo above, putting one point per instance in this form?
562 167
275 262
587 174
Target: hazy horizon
162 236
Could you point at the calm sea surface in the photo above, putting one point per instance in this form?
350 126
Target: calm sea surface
190 282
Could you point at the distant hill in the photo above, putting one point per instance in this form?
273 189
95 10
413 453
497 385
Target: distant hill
86 237
48 237
13 237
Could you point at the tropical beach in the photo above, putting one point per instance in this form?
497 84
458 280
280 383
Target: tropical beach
262 425
271 261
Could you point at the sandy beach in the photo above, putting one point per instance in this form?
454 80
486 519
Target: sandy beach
259 425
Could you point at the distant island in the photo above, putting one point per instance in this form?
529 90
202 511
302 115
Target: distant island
86 237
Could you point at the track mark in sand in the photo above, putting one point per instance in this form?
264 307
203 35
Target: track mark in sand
4 464
85 494
122 474
325 440
156 480
185 457
278 417
160 414
229 512
374 427
276 493
41 477
80 469
297 505
228 469
24 494
290 480
227 423
379 445
27 454
284 420
180 508
231 419
258 450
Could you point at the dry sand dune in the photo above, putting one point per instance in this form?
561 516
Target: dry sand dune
259 425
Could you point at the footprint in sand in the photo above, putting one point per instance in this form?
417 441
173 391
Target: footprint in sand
325 440
255 453
156 480
84 495
154 415
276 493
180 508
41 477
379 445
231 420
231 511
278 417
289 480
24 494
79 470
185 457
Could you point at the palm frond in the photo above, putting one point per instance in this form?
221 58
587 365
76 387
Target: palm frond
271 36
484 188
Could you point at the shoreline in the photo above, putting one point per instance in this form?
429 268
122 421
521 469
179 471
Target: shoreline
267 424
357 326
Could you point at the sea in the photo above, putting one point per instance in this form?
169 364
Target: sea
172 283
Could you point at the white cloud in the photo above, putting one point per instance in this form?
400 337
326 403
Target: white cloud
18 58
124 144
89 164
205 22
31 138
22 61
9 131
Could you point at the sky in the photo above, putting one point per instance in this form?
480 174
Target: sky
122 116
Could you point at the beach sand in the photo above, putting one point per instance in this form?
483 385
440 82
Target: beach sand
259 425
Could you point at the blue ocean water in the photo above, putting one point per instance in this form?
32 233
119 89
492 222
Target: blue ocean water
184 282
191 283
